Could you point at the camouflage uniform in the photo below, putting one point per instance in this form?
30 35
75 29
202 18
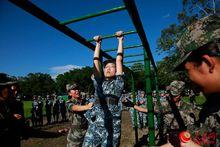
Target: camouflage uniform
171 125
132 114
62 106
40 105
105 117
56 109
196 35
207 133
186 113
35 112
78 125
142 116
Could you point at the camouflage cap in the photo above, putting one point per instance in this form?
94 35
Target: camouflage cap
71 87
197 35
176 87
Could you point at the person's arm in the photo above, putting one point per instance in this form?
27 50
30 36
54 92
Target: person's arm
140 109
189 144
81 108
119 58
96 60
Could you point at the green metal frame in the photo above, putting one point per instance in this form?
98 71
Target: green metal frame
126 47
113 36
130 6
93 15
135 61
135 112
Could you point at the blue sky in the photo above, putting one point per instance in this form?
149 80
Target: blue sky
29 45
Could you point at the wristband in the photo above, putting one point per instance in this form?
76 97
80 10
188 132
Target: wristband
96 58
120 54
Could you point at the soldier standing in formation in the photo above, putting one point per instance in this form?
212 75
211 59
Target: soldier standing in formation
56 109
62 106
35 112
142 103
40 105
48 106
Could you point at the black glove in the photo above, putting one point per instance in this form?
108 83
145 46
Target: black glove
128 103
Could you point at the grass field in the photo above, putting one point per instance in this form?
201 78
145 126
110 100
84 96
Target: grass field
28 104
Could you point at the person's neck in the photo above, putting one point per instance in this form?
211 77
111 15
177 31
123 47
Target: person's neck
109 78
177 103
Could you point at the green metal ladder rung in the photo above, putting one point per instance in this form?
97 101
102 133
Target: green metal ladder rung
93 15
138 70
125 48
139 61
112 36
133 55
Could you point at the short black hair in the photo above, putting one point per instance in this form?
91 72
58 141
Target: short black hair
108 61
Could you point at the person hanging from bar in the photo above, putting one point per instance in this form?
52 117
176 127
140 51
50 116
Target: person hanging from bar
105 121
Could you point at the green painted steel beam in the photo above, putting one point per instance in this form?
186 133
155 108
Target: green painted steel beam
112 36
135 61
45 17
134 15
133 55
138 70
93 15
149 100
125 48
135 112
160 114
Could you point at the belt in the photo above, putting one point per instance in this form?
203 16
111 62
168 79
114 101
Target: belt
107 100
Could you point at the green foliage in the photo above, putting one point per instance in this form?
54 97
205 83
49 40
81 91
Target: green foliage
192 10
5 78
81 76
37 84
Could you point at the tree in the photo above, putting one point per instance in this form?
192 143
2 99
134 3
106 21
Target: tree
37 84
81 76
6 78
192 11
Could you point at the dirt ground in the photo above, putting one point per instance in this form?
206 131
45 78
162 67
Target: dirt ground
49 137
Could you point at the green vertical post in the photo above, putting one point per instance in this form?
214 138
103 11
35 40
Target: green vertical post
150 105
135 112
159 115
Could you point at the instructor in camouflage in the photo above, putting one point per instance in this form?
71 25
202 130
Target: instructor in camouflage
199 47
76 107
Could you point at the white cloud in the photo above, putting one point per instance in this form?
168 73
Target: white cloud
167 15
62 69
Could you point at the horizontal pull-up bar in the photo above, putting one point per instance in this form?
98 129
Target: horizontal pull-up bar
134 55
93 15
127 47
138 70
134 61
112 36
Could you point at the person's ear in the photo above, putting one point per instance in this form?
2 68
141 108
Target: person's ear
210 62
